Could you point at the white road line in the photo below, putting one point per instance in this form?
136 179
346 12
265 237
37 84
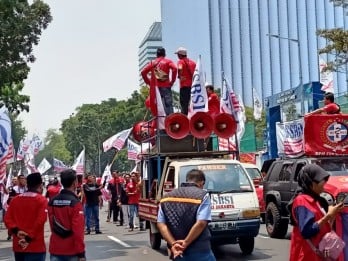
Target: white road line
118 241
262 236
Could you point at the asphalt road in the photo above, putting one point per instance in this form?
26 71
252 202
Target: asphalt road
116 243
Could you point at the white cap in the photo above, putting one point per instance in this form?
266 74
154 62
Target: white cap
181 50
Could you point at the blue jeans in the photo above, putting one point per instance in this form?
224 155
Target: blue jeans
133 211
63 258
201 256
89 212
19 256
167 99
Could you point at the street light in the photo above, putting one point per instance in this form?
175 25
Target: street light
298 57
98 135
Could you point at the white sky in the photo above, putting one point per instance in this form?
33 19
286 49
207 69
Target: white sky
88 53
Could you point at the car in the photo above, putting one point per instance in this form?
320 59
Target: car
280 185
255 174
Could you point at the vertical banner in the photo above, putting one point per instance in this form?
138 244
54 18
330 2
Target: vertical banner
290 138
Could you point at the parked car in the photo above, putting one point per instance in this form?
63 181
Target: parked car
255 175
280 184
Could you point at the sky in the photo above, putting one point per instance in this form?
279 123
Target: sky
88 53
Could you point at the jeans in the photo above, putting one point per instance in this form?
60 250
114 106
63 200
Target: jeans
201 256
92 211
185 96
19 256
167 99
63 258
125 210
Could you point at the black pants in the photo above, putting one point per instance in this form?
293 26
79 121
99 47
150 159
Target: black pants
115 209
185 96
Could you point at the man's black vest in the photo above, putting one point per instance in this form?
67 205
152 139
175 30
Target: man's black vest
180 209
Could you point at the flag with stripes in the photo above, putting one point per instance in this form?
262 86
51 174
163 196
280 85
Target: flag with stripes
59 165
5 140
8 184
116 141
133 150
79 164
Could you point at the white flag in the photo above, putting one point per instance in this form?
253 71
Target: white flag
257 105
133 150
161 114
199 96
326 77
106 175
8 184
79 164
116 141
44 166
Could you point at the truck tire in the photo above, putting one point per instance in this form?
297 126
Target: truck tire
276 226
155 240
246 244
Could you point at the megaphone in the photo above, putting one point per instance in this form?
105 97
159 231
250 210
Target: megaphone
224 125
143 130
201 125
177 125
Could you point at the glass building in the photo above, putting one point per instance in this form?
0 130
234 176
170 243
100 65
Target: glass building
270 45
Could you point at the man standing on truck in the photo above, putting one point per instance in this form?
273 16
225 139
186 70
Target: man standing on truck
330 106
183 219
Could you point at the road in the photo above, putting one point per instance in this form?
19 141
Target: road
117 244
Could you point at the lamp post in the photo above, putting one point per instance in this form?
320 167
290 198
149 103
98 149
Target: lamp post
98 136
299 61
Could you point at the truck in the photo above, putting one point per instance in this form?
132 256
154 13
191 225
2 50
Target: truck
234 202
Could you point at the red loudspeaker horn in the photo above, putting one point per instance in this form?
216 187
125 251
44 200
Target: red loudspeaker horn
201 125
143 130
177 125
224 125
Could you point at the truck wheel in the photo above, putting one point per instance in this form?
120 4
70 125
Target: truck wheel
155 240
276 226
246 244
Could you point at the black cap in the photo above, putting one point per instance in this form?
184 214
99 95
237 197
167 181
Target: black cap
34 179
315 172
161 52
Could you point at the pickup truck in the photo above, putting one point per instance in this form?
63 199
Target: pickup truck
235 206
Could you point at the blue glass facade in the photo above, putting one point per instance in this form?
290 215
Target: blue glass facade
233 36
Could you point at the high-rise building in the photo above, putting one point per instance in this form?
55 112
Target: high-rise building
148 47
270 45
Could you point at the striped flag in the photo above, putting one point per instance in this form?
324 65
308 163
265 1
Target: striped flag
5 140
8 184
79 164
116 141
59 165
133 150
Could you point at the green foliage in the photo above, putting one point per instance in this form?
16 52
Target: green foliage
260 125
18 131
21 27
337 46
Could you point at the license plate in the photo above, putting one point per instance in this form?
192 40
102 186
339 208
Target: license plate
226 225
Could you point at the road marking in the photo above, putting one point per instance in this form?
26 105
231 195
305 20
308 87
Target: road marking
118 241
262 236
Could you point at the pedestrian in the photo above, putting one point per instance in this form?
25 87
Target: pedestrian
124 199
115 187
25 218
21 185
310 214
133 200
162 67
66 211
186 68
213 100
93 197
183 219
53 188
330 107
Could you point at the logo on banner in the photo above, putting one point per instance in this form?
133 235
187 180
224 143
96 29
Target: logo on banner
334 135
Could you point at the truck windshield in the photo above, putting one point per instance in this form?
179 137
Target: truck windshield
253 173
335 166
221 177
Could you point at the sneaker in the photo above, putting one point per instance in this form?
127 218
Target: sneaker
136 227
87 232
98 232
130 230
142 229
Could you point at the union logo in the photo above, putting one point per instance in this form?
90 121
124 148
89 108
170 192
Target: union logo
333 134
336 132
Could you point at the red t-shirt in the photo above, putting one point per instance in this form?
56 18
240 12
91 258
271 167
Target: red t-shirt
133 198
186 68
53 191
331 108
161 67
213 104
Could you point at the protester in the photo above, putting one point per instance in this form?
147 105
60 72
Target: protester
53 188
67 210
310 214
186 68
21 186
183 219
124 199
92 195
330 107
115 187
133 200
213 101
161 67
25 218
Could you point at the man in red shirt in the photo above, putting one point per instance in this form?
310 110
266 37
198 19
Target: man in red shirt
213 101
133 193
53 189
162 67
25 218
186 68
330 106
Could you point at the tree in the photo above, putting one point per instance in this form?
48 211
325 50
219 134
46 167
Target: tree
21 27
338 47
18 131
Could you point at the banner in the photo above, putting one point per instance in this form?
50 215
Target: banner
116 141
160 111
326 77
79 164
326 135
44 166
8 184
58 165
199 96
290 138
5 140
133 150
257 104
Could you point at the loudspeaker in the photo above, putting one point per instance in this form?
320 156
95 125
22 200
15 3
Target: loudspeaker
201 125
225 125
143 130
177 125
